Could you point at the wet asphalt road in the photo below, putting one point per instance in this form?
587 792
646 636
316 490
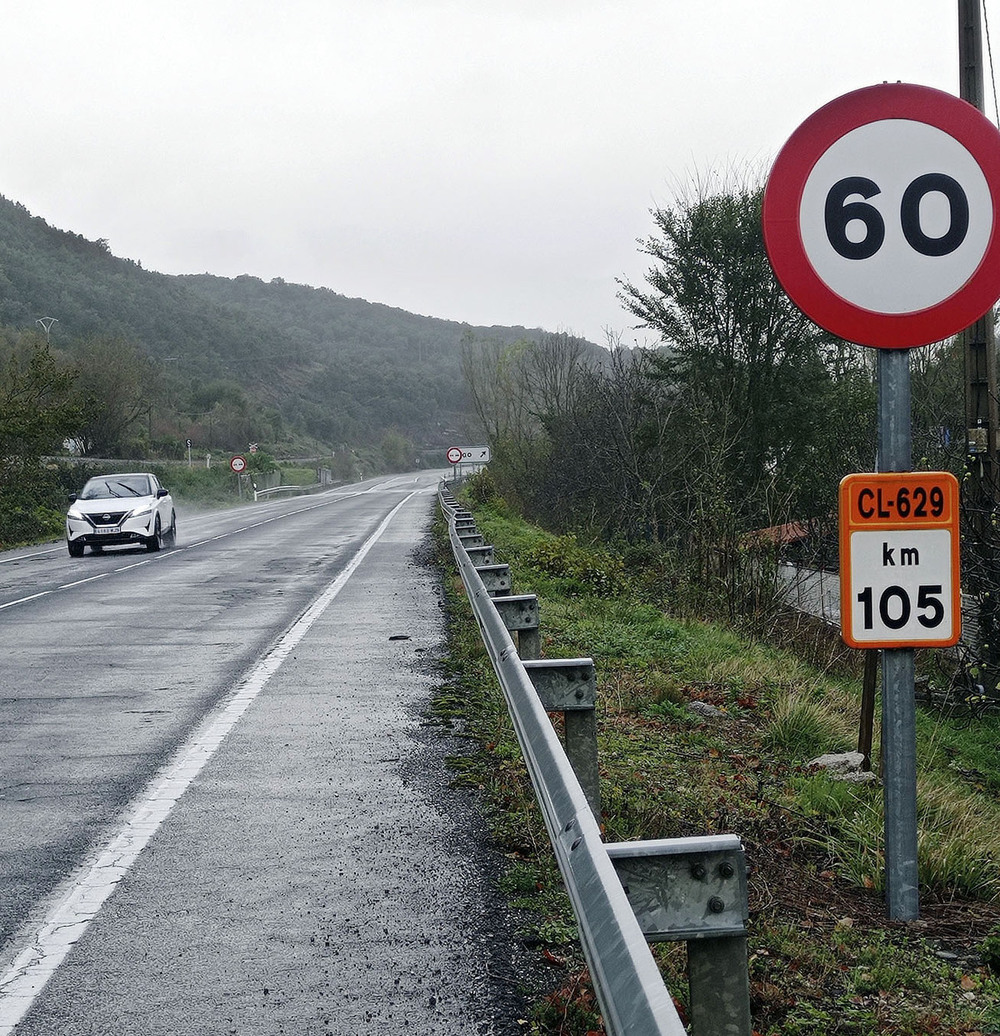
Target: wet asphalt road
308 870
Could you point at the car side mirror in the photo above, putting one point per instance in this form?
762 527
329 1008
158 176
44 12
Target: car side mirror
162 492
72 498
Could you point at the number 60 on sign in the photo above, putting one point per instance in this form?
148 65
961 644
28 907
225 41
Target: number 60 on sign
899 564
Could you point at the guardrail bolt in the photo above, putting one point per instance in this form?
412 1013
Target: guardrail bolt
726 869
698 871
716 905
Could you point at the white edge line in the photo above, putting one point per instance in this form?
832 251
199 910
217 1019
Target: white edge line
27 557
82 895
23 600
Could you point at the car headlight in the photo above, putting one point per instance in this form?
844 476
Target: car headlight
75 514
141 510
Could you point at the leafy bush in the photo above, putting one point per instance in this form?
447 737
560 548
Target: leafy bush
480 488
593 570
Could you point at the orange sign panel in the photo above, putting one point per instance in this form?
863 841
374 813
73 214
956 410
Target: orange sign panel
899 560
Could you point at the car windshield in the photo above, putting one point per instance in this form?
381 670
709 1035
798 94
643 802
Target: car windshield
105 486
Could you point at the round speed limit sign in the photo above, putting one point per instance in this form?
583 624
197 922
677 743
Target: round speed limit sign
881 216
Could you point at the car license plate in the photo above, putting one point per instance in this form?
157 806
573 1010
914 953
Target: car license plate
109 530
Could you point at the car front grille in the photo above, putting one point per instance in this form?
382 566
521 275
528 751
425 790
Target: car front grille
107 518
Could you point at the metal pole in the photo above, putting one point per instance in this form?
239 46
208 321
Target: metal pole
581 750
898 707
720 987
529 643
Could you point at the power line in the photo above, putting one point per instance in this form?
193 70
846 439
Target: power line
993 78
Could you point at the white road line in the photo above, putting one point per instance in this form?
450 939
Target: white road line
25 557
148 561
159 556
78 900
22 600
187 546
80 582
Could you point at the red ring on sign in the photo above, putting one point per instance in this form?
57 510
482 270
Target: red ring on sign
783 196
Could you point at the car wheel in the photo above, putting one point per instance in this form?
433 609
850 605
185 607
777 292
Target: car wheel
154 541
75 549
172 531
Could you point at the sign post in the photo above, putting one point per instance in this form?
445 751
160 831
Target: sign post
880 220
238 464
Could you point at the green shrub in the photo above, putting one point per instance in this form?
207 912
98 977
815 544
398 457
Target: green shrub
591 569
990 951
480 488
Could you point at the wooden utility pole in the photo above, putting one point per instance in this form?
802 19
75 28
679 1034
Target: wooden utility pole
981 487
978 341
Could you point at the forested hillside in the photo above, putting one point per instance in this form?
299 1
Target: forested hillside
339 370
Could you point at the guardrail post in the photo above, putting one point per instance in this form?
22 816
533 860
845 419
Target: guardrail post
480 555
569 686
720 987
496 578
471 539
695 890
520 615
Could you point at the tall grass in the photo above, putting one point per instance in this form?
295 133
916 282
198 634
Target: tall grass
668 771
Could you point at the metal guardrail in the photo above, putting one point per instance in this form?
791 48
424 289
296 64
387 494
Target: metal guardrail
314 488
629 893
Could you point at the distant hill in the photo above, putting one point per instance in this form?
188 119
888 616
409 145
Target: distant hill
339 369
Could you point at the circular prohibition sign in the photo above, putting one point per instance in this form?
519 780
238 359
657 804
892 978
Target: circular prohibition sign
881 216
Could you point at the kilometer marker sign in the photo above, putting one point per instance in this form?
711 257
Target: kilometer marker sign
899 560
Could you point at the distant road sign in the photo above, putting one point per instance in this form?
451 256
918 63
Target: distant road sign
881 215
469 455
899 573
238 464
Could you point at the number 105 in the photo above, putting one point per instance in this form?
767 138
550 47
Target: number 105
895 607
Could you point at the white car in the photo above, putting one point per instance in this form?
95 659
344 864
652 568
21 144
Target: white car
113 510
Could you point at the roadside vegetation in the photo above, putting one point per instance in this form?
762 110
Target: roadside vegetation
649 500
823 956
62 417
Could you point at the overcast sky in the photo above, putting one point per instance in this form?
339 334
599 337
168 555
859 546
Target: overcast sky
490 161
